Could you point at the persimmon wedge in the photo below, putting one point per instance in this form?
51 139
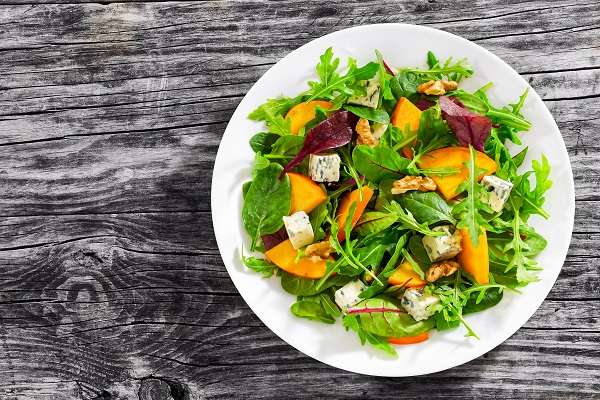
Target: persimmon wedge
455 157
303 113
421 337
284 256
406 115
306 194
405 275
475 258
344 208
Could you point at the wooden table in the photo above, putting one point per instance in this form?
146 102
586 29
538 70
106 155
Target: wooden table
111 285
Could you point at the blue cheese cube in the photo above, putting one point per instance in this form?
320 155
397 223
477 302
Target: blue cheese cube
347 295
420 306
498 192
299 229
442 247
371 98
324 168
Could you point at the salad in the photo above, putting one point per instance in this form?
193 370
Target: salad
388 199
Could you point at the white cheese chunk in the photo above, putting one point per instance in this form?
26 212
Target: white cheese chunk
442 247
371 98
498 191
324 168
347 295
419 305
299 229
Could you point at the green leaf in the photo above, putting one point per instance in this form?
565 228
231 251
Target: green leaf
378 286
309 287
262 142
273 112
267 201
331 84
418 252
384 79
329 305
479 301
262 266
408 221
378 163
405 83
375 115
351 322
427 207
373 222
317 218
311 309
382 317
287 145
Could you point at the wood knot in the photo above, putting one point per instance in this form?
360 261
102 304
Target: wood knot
162 389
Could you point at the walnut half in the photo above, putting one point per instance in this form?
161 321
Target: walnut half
319 251
441 269
420 183
437 88
365 136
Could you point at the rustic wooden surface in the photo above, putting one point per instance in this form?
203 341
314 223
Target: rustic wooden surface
111 285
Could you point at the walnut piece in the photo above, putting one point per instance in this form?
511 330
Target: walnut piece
441 269
437 88
319 251
420 183
365 136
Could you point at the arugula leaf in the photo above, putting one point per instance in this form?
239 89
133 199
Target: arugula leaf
317 217
433 133
273 114
419 254
451 71
378 163
468 210
375 115
268 199
533 199
384 80
525 266
262 266
331 84
427 207
408 221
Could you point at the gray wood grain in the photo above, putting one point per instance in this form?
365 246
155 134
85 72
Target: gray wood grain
111 284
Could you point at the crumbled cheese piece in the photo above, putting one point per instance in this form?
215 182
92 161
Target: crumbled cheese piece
419 305
324 168
371 98
498 192
299 229
348 295
442 247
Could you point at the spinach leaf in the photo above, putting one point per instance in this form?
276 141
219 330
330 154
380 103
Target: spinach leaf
379 116
419 254
427 207
267 201
381 317
378 286
408 221
351 322
405 83
262 266
308 287
262 142
482 301
330 307
317 218
373 222
441 324
311 308
377 163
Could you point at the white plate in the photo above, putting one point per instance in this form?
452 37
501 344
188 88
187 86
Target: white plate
401 45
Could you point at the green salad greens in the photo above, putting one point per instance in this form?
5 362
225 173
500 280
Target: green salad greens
390 200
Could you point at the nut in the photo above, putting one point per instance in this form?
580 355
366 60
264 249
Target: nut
437 88
319 251
365 136
441 269
420 183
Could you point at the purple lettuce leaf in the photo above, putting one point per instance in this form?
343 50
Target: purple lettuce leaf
334 132
272 240
469 127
